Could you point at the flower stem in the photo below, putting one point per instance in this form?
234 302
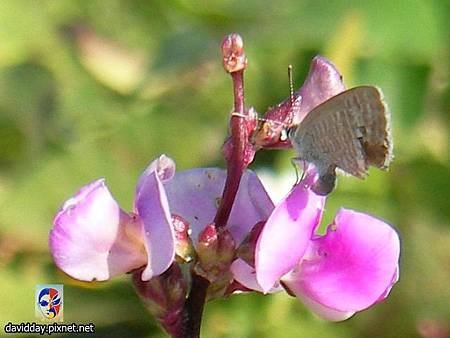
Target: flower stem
193 310
235 164
235 63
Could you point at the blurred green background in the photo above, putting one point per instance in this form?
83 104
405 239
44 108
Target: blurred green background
93 89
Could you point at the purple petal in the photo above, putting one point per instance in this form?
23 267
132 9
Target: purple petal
252 205
163 166
287 232
195 195
246 275
93 238
159 237
351 267
323 82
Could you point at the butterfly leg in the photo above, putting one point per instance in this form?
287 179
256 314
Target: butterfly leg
298 163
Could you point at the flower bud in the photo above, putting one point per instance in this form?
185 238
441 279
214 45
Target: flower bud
184 248
234 58
164 296
215 252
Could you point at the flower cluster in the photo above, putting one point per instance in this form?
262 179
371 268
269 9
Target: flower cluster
264 247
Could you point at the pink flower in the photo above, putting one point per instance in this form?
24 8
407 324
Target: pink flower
348 269
353 266
93 238
323 82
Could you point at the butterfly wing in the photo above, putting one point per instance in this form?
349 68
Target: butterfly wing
350 131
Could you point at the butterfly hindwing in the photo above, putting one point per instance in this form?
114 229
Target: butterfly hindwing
350 131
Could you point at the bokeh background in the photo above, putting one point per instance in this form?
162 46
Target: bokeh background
93 89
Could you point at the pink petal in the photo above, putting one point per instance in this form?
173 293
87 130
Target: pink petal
93 238
323 311
394 280
351 267
323 82
195 195
287 232
159 237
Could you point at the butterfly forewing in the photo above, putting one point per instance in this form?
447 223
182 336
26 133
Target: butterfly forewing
350 131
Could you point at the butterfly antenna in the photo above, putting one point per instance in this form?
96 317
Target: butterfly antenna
291 93
291 85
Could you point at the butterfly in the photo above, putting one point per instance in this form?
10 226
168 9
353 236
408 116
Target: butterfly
350 131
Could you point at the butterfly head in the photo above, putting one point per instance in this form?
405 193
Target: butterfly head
271 134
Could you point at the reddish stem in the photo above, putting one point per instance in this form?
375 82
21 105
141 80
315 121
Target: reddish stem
234 63
236 164
193 308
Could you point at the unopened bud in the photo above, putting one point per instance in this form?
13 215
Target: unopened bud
184 248
234 58
164 296
215 251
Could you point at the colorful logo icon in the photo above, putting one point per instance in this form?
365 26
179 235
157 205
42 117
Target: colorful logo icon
49 302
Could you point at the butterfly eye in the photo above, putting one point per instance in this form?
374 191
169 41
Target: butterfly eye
290 131
43 303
